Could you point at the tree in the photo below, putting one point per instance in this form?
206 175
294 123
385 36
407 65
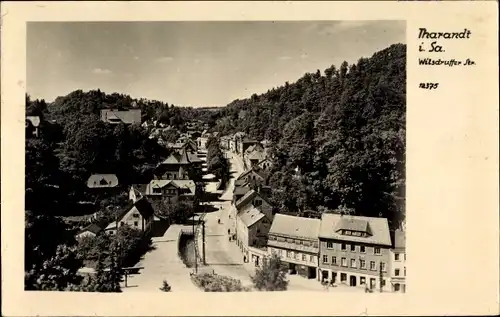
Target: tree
271 276
55 273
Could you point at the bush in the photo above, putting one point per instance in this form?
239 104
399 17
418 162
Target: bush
218 283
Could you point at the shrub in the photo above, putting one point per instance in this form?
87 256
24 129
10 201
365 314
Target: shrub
218 283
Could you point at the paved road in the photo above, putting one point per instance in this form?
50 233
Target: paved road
223 256
163 263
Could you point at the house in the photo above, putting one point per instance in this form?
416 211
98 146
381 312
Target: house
253 214
90 231
113 116
254 177
32 126
240 191
265 165
102 181
138 215
137 191
398 266
245 144
173 190
253 155
176 166
295 240
354 250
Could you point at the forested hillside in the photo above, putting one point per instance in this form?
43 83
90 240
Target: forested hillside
344 128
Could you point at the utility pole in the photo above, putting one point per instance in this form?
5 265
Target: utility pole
203 244
194 249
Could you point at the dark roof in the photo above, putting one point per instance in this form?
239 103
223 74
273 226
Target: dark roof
241 190
126 116
240 182
144 207
92 228
251 194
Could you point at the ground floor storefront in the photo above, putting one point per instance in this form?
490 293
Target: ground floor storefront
398 285
302 270
369 281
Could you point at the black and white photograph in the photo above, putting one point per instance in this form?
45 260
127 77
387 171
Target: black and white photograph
215 156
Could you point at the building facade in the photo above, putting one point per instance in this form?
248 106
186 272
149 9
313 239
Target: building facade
295 240
398 258
355 251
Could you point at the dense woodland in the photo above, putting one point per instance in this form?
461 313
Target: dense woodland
344 128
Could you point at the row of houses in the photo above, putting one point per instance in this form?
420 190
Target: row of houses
352 250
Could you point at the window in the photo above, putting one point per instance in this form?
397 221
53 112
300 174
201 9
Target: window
344 247
382 266
311 258
257 203
315 244
122 223
325 258
353 247
362 264
258 230
396 256
334 260
362 280
343 277
396 272
372 265
382 282
405 270
329 245
347 232
343 262
288 254
157 190
353 263
297 255
304 257
136 215
376 250
301 242
362 249
396 287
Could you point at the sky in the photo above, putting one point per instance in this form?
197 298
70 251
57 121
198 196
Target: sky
193 63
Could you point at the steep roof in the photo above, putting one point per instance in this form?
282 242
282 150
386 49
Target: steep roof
377 228
256 155
399 239
241 190
243 201
102 181
253 171
185 183
95 229
250 215
143 206
159 183
293 226
35 120
240 182
126 116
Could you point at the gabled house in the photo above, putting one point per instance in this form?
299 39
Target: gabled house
265 165
295 240
138 215
175 166
33 126
254 177
102 181
240 190
253 214
89 231
355 250
245 144
171 189
113 116
253 155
